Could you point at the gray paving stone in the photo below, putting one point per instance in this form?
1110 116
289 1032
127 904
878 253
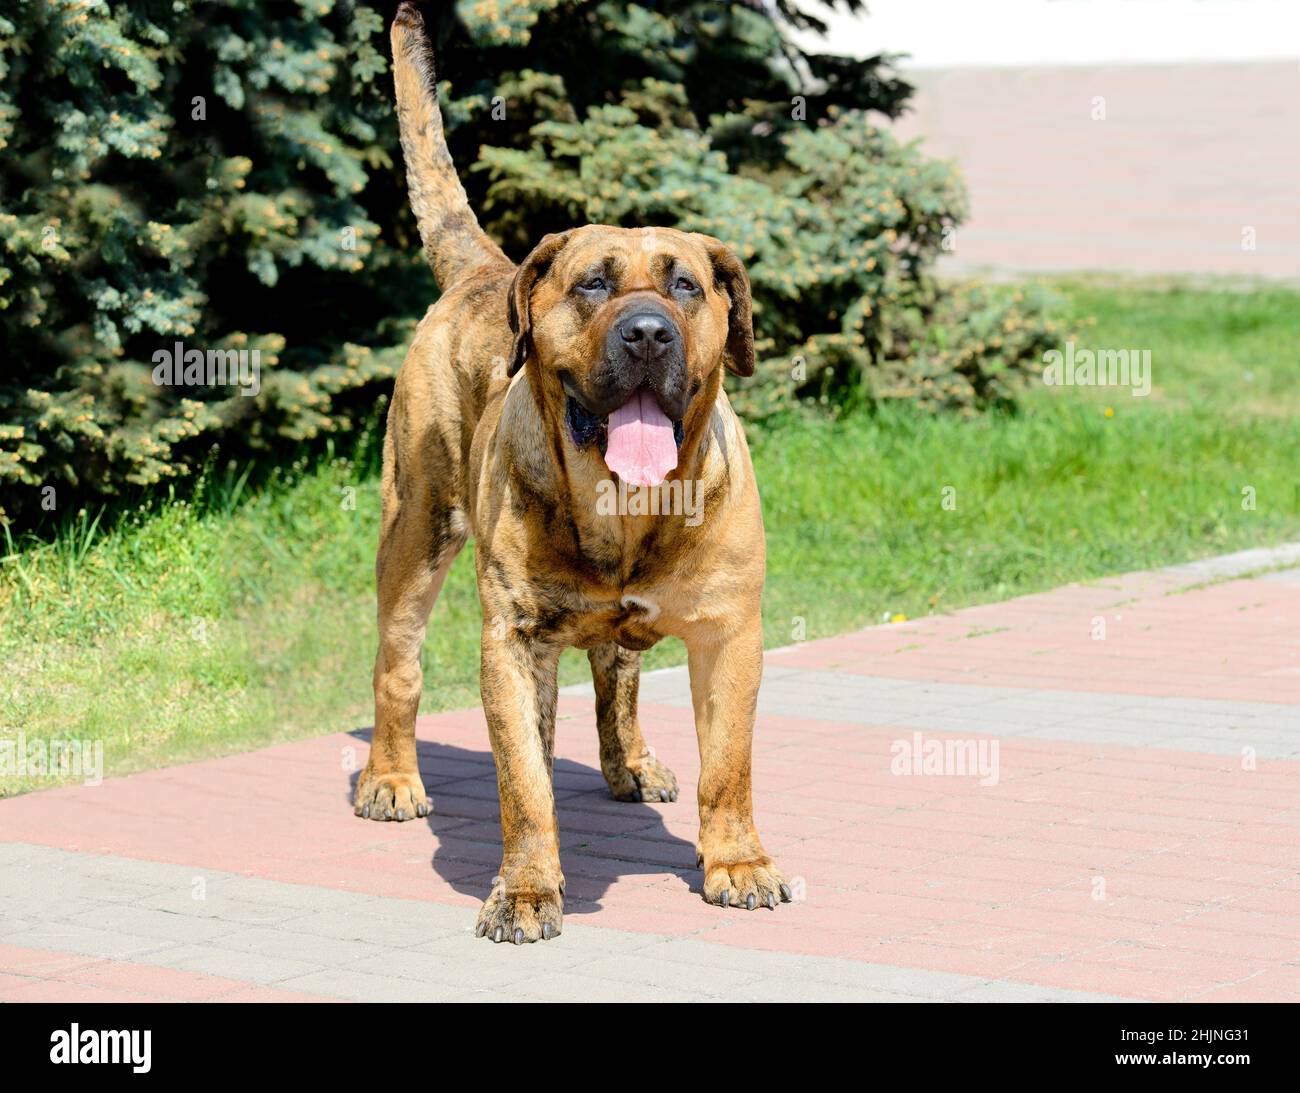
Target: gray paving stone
13 853
493 997
1269 748
1133 738
637 969
957 723
1025 711
479 963
85 940
578 944
133 869
601 939
400 927
578 987
589 963
1236 565
147 922
997 990
16 881
210 960
361 986
270 941
1193 720
1083 716
1285 576
802 990
225 909
308 897
792 967
11 924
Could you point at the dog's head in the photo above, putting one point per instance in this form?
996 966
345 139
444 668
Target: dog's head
629 331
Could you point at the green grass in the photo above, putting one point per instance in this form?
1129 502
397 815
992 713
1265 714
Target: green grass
247 616
1231 346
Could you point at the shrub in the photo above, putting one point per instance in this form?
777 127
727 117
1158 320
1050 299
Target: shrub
227 176
838 234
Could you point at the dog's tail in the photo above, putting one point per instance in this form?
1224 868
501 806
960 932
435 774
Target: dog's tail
454 243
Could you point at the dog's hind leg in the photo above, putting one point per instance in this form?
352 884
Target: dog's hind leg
629 766
421 532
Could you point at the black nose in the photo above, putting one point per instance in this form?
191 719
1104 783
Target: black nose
647 334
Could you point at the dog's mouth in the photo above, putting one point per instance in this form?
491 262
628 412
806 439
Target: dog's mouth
638 440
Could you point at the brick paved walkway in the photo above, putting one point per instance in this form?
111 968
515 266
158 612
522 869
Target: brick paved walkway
1186 159
1137 837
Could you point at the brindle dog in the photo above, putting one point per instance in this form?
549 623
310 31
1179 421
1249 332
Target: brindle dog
521 387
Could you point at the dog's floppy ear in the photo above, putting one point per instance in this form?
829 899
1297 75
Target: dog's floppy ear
730 274
531 270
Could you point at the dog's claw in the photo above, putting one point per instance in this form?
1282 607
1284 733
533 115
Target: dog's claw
401 814
786 894
663 795
725 898
520 920
365 813
771 901
672 796
749 903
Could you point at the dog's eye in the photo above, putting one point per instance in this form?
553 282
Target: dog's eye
684 284
593 284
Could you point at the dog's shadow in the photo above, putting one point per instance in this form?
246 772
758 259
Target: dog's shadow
462 788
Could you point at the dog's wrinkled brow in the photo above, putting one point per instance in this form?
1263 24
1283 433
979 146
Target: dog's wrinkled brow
661 266
608 267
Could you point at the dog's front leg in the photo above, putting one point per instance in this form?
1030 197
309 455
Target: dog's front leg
725 671
518 681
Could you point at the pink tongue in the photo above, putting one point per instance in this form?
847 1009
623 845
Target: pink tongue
640 449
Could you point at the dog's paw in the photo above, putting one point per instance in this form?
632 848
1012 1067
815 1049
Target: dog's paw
748 884
520 917
645 780
392 796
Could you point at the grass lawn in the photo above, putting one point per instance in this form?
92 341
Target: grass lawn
249 617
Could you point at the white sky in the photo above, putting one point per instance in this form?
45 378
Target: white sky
952 33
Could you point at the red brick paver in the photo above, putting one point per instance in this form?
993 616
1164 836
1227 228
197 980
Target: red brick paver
1238 640
1146 168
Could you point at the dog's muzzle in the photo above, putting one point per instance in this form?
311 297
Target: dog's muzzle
632 403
